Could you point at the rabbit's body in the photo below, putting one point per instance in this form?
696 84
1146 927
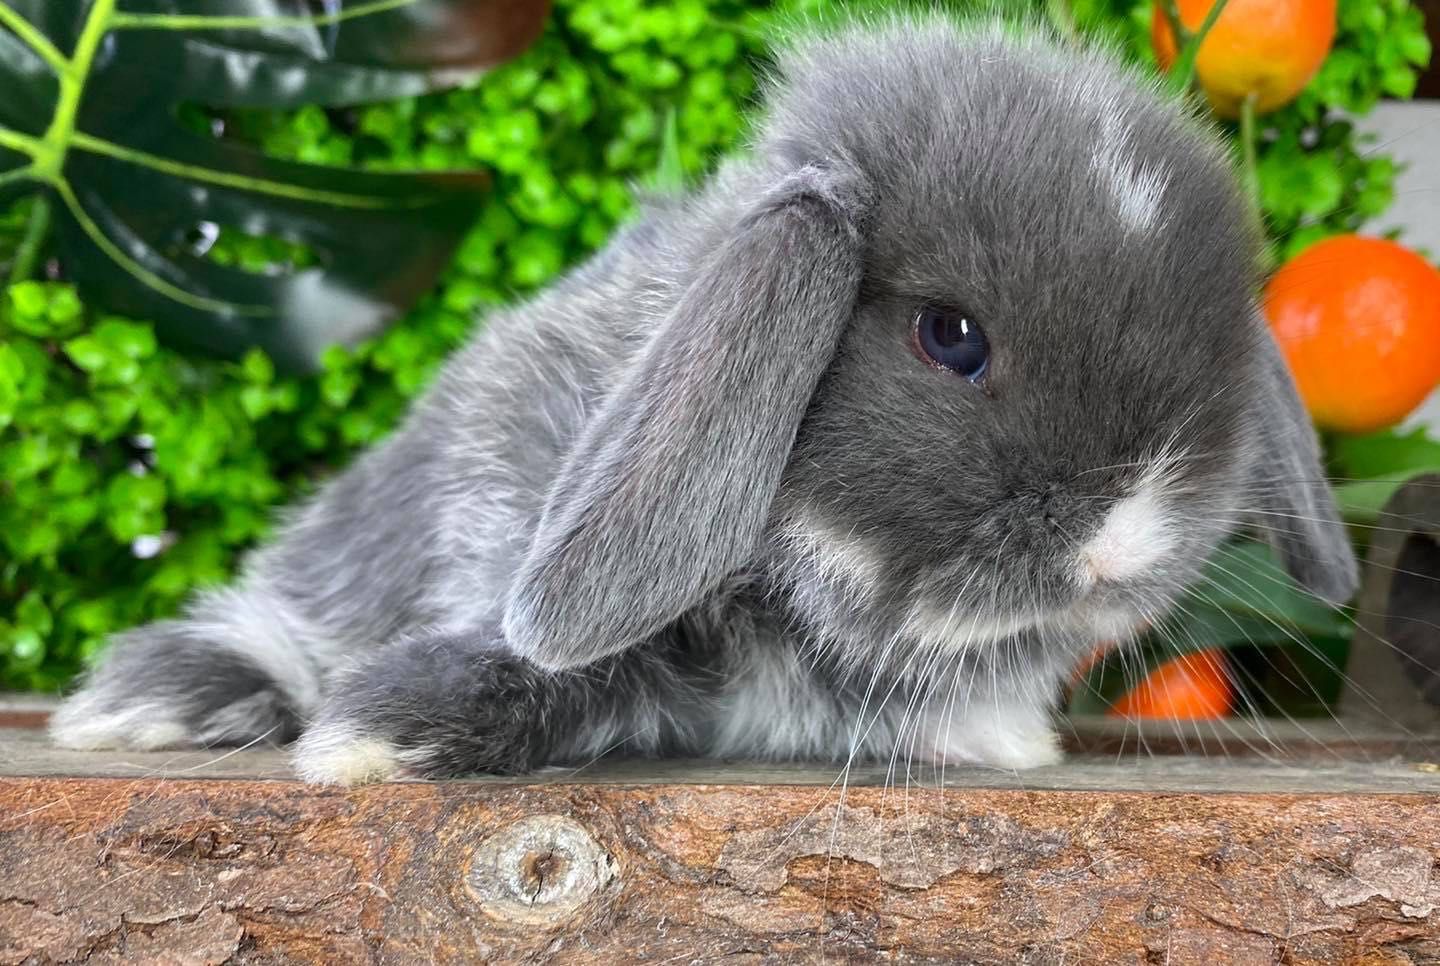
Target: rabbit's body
705 497
421 539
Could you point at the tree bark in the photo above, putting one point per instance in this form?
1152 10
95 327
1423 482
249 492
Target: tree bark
248 871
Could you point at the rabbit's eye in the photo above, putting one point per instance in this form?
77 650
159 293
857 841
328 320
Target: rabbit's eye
949 339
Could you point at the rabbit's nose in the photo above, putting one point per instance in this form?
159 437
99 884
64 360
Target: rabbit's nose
1050 499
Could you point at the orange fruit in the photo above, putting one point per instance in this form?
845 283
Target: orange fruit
1359 322
1269 47
1189 687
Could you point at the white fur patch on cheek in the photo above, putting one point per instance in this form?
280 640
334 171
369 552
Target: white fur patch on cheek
837 555
1114 624
1136 535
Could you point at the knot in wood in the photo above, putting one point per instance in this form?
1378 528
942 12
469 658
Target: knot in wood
538 871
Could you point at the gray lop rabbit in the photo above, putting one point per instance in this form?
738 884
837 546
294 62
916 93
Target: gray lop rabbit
853 451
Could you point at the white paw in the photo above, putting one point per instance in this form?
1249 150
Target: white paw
1033 749
333 753
1008 736
90 720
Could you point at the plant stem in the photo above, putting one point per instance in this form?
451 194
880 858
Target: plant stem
1250 169
49 165
1171 9
37 227
21 143
18 174
32 38
81 141
139 271
1185 66
167 21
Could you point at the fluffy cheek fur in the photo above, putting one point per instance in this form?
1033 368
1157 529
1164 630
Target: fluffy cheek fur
1125 573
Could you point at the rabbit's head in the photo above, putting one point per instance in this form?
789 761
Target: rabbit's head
974 354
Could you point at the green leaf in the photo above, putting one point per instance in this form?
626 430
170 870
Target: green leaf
1391 452
257 367
33 614
81 416
28 300
135 506
132 188
1243 578
12 369
1375 465
87 352
402 49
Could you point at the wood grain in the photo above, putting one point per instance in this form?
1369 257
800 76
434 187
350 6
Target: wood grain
185 870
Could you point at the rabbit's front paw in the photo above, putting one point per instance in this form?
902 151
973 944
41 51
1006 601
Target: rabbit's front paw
427 709
342 749
174 684
1008 736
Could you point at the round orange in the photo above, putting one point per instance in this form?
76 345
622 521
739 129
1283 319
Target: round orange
1190 687
1359 322
1269 47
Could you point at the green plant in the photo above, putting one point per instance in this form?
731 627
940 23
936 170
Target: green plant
131 473
565 130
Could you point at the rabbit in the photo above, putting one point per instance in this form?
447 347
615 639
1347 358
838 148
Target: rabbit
853 451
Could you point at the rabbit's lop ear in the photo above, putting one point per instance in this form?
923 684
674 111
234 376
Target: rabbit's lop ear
667 490
1295 508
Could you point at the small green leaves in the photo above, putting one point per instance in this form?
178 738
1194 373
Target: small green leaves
112 352
135 506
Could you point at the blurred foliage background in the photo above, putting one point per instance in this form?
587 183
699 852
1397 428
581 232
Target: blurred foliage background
131 473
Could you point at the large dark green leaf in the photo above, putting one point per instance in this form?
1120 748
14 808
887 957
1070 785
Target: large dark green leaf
132 188
400 50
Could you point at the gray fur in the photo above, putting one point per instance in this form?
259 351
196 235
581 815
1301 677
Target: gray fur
701 497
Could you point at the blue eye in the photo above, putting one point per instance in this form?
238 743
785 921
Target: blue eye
949 339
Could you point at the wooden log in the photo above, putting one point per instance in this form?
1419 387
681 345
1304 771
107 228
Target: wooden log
24 710
1148 860
1393 674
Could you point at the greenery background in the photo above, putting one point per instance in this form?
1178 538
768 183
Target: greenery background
130 474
